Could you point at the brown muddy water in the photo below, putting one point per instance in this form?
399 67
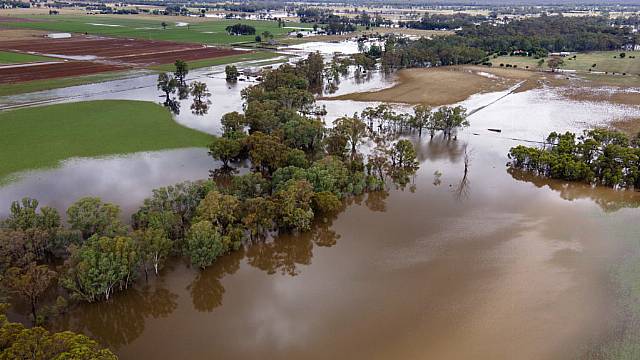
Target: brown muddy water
494 265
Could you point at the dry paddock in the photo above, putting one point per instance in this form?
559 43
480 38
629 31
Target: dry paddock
92 54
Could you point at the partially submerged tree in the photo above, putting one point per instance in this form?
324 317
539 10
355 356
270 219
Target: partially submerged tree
200 94
101 266
30 283
168 85
153 247
225 149
353 130
92 216
231 73
37 343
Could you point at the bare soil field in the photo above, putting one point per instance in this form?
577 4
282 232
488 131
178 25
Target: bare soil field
54 70
20 34
447 85
91 54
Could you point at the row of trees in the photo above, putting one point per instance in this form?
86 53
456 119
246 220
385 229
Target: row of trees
600 156
333 24
444 22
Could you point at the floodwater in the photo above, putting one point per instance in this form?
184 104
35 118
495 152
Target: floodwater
496 264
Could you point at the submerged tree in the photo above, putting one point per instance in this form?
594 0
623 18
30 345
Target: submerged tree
423 119
225 149
30 283
153 247
38 343
353 130
101 266
168 85
231 73
92 216
200 94
180 75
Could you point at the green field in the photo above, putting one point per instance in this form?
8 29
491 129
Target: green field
606 61
206 32
41 137
249 56
7 57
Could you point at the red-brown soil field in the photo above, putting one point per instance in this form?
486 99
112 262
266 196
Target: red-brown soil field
92 54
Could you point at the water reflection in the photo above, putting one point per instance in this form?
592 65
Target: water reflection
119 322
125 180
288 252
206 289
608 199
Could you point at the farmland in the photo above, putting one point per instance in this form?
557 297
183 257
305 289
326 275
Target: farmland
43 136
7 57
605 61
91 55
205 32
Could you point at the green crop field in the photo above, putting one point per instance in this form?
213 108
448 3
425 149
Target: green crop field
605 61
41 137
195 64
7 57
206 32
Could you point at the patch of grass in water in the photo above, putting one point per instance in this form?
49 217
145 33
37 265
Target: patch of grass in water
41 137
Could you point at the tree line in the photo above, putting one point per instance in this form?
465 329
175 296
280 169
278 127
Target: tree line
600 156
538 36
443 21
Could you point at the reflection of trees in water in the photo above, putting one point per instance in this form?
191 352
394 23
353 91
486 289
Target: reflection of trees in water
608 199
438 148
376 201
206 289
122 320
288 251
463 188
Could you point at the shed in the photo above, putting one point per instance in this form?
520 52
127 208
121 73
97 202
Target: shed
58 35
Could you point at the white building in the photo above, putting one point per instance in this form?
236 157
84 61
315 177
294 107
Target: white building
59 35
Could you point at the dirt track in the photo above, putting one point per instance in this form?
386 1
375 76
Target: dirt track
100 54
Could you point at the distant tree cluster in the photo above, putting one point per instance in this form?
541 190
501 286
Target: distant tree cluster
240 29
444 22
539 35
600 157
533 36
451 50
332 24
